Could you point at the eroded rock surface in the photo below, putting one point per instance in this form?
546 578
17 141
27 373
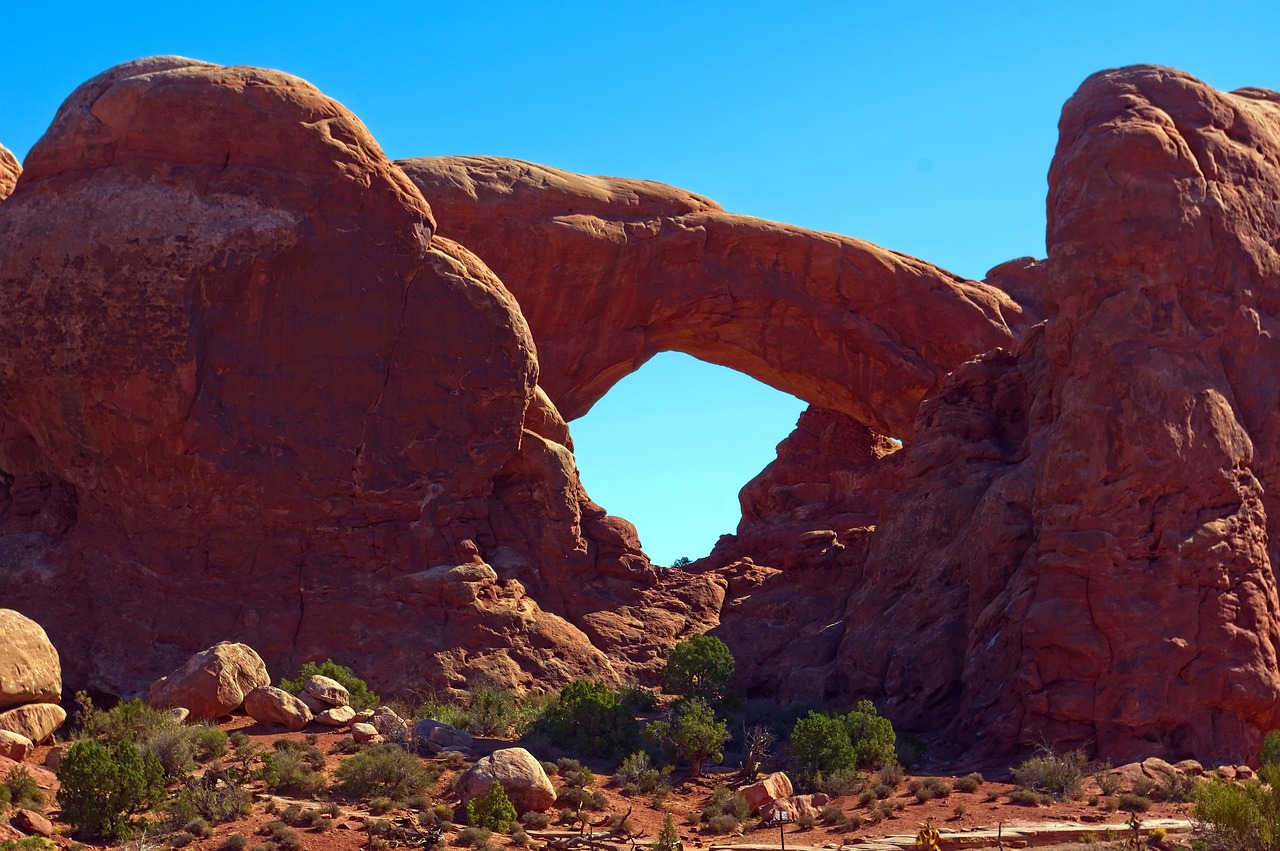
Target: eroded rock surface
611 271
30 671
9 171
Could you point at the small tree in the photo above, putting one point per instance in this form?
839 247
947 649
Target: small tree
871 736
591 719
820 743
668 839
494 811
103 788
692 733
700 666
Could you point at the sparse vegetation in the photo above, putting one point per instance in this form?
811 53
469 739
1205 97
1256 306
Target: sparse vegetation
1056 775
383 770
22 789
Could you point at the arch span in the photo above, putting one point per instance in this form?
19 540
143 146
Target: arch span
611 271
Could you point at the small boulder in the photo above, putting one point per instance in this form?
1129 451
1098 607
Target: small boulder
363 716
327 691
32 823
213 682
435 736
795 806
769 788
1189 767
180 714
15 746
364 733
336 716
520 775
54 757
392 727
36 721
316 706
30 671
270 705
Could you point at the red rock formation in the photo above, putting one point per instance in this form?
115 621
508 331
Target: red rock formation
240 375
609 272
9 171
1080 545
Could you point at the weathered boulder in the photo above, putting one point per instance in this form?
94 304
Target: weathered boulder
213 682
9 171
29 668
14 746
390 725
520 775
32 823
769 788
839 322
795 806
365 733
335 716
273 706
35 721
327 690
434 736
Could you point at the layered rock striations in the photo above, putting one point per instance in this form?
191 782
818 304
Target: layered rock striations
610 271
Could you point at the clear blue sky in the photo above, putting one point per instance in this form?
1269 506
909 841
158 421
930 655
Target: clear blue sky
926 127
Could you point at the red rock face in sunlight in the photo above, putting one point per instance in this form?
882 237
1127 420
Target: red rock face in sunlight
1079 546
240 376
9 171
610 271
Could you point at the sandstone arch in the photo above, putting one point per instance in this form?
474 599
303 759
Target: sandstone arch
611 271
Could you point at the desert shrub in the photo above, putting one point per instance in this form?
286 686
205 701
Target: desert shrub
929 788
5 797
910 748
1135 803
892 774
725 801
104 787
474 836
699 667
1108 783
519 838
636 775
1177 788
589 718
692 733
567 766
211 743
199 828
859 739
23 790
1057 775
832 814
722 824
235 842
174 748
129 720
361 697
638 698
27 843
968 783
535 820
1142 785
181 839
668 839
216 797
493 711
578 798
383 770
288 770
282 835
381 805
839 783
580 776
1270 753
1029 797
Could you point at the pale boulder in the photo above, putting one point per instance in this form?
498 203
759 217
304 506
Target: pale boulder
36 721
14 746
327 690
520 775
795 806
273 706
390 725
336 716
769 788
30 671
365 733
213 682
435 736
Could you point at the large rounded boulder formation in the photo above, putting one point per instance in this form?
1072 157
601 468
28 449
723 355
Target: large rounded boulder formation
242 375
9 171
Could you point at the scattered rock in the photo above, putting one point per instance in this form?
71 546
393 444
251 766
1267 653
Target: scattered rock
770 788
14 746
336 716
327 690
392 727
365 733
180 714
520 774
434 736
270 705
29 668
795 806
33 823
53 758
36 721
213 682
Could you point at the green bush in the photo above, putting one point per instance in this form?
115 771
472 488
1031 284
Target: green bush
102 788
129 720
22 789
871 735
1270 753
590 719
361 697
474 837
700 667
383 771
28 843
692 733
494 811
969 783
1057 775
1241 816
287 770
826 743
636 775
929 789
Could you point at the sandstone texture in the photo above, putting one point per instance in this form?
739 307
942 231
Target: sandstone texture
29 668
246 378
9 171
35 721
14 746
273 706
839 322
213 682
769 788
327 690
520 774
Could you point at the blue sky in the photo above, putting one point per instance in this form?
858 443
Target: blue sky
925 127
